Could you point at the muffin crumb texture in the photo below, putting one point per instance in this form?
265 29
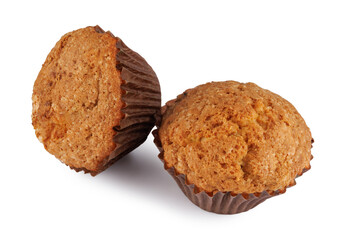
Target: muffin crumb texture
230 136
77 99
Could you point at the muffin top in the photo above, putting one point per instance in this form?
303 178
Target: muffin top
230 136
77 99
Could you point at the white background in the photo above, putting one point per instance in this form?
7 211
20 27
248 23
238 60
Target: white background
288 47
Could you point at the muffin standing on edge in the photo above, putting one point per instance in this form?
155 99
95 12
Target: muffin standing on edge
230 145
94 100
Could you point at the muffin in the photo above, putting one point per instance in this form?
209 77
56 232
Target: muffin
94 100
231 145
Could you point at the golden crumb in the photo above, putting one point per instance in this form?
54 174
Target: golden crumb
77 99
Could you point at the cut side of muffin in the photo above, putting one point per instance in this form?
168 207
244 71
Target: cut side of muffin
86 100
234 138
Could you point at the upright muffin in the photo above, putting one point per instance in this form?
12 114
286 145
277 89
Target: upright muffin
94 100
231 145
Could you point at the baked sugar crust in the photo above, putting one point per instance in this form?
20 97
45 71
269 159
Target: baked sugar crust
230 136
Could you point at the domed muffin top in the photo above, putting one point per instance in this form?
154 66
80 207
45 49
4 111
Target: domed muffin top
77 99
230 136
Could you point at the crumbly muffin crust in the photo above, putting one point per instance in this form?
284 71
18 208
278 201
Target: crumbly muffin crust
230 136
77 99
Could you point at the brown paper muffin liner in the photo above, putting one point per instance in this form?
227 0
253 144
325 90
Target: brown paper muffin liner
141 98
217 202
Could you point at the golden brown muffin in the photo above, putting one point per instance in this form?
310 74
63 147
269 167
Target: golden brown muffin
234 137
94 100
